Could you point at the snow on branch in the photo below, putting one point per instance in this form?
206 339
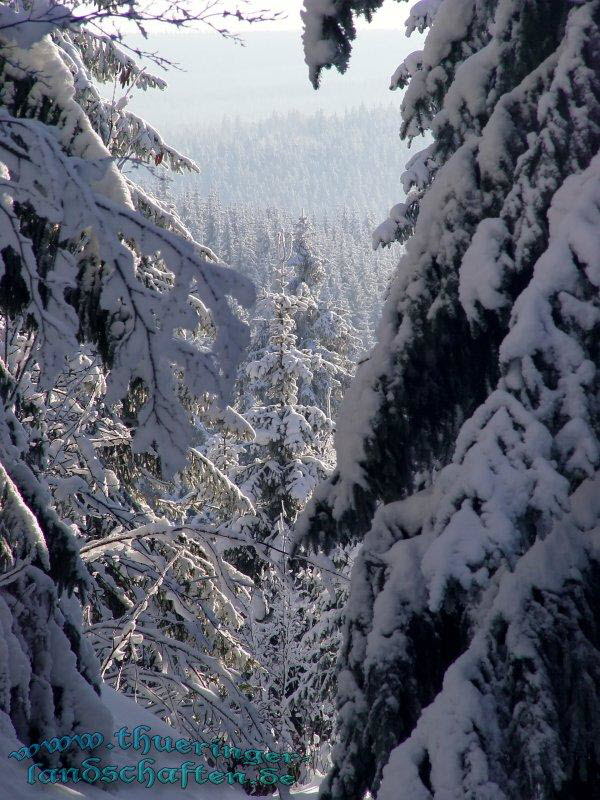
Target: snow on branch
421 15
140 325
329 31
106 58
409 67
27 21
399 224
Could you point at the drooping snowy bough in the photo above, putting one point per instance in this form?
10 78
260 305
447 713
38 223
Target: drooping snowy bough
83 271
468 444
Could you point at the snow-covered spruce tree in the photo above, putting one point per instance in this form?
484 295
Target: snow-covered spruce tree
278 471
322 327
74 250
291 451
471 662
298 366
325 335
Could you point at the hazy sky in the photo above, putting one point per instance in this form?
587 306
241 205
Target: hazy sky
268 75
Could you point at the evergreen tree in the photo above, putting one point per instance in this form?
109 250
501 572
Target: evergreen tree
322 327
325 334
468 448
298 365
79 265
290 452
306 266
278 471
213 221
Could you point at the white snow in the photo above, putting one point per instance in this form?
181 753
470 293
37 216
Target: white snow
458 725
27 23
421 15
318 51
483 267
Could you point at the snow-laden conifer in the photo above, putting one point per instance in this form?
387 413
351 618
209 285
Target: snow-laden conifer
81 263
277 471
322 327
467 444
297 368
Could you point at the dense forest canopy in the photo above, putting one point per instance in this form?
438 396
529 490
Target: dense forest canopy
318 162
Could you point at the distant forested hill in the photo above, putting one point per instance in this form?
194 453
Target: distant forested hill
257 176
269 147
292 161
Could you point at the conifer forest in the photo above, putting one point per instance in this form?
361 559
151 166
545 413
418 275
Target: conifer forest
300 399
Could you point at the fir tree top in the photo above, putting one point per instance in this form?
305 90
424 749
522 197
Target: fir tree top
306 265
